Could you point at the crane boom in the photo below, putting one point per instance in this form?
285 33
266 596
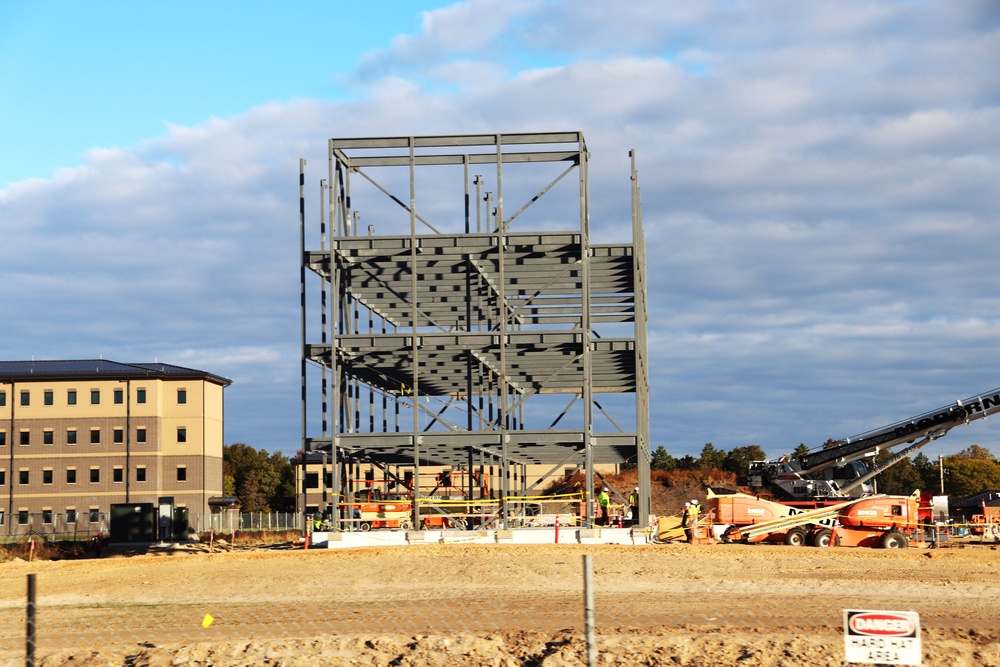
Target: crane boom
837 470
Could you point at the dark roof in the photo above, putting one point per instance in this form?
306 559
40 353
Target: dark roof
26 371
976 499
223 501
311 457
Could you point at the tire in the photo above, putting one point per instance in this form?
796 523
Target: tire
365 526
796 537
821 538
461 524
894 540
404 524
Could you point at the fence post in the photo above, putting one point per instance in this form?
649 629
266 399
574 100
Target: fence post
588 609
29 648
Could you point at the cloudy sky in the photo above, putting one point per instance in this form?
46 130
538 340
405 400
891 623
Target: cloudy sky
820 186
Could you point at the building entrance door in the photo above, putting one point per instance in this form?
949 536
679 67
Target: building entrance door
165 520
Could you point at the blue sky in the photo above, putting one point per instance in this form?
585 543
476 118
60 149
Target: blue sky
112 74
819 187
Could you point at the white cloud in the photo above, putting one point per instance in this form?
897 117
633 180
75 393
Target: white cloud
819 189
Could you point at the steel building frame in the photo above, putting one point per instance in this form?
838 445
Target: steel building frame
458 305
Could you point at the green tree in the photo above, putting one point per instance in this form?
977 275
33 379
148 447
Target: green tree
262 482
965 475
688 462
801 450
929 473
900 478
739 458
711 457
283 498
977 453
662 460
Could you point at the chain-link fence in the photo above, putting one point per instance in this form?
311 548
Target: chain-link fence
503 603
83 526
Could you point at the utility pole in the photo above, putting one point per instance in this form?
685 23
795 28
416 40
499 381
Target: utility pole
941 469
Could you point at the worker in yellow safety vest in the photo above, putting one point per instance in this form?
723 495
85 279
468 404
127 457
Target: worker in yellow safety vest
604 502
691 515
633 503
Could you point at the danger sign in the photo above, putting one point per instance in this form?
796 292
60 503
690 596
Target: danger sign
882 637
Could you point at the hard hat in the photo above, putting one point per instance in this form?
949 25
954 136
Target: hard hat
605 488
694 501
687 504
637 488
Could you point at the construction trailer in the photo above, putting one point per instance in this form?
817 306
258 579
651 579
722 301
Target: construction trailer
457 315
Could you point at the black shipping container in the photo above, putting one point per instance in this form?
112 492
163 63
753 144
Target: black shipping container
133 522
181 523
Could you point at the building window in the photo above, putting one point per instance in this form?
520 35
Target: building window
312 480
71 475
118 475
140 474
22 517
70 515
3 399
23 477
3 477
182 473
119 396
3 438
47 397
182 434
182 396
140 434
71 397
47 437
25 437
1 517
95 475
95 396
95 436
119 436
95 515
71 436
47 476
140 395
25 398
47 516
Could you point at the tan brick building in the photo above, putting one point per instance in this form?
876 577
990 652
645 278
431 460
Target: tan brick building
79 436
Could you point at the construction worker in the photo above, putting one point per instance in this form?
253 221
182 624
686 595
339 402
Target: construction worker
685 515
692 519
604 502
633 501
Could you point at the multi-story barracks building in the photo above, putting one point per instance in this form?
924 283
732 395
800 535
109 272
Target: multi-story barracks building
77 437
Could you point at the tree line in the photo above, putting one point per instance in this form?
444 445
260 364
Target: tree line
265 482
262 482
972 470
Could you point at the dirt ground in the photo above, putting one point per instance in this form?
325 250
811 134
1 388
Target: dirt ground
506 605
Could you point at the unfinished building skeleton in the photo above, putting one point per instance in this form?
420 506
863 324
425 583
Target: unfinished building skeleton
457 313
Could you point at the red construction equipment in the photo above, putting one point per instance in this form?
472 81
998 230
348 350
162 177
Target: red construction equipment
889 522
373 509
